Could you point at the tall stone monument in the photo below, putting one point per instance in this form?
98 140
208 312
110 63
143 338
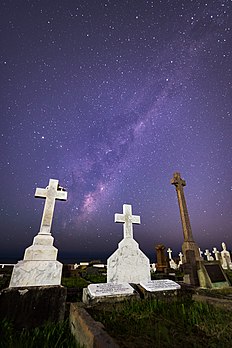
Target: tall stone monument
161 265
128 264
39 266
189 248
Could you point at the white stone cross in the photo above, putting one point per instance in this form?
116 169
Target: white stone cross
216 253
169 251
208 255
52 192
200 251
128 219
181 258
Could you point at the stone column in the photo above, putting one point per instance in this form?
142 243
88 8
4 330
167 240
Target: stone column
189 248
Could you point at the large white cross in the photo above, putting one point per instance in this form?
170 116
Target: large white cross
52 192
128 219
169 251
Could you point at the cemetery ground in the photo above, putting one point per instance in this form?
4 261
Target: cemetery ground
135 323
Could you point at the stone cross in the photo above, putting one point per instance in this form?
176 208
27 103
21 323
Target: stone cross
169 251
200 252
216 253
181 258
52 192
128 219
179 184
208 255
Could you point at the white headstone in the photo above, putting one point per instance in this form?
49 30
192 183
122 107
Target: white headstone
225 258
208 255
128 264
172 263
39 266
181 259
216 253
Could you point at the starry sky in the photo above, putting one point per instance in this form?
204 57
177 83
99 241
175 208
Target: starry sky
111 98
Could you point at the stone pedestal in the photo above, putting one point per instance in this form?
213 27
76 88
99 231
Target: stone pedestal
39 266
33 306
128 264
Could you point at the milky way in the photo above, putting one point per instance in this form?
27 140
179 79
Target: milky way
111 98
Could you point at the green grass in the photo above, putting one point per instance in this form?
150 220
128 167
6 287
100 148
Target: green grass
49 336
74 282
152 323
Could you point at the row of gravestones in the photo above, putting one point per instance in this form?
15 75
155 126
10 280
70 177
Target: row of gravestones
127 264
222 256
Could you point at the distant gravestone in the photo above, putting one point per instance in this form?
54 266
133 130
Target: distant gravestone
225 258
161 265
39 266
128 264
211 275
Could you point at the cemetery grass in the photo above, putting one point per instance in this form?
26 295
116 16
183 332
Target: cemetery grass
154 323
55 335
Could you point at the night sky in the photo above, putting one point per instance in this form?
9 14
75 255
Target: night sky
111 98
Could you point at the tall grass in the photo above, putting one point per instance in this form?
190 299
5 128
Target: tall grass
152 323
49 336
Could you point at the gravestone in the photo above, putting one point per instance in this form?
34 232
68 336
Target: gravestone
189 248
161 265
39 266
128 264
208 255
216 253
107 292
225 258
212 275
172 263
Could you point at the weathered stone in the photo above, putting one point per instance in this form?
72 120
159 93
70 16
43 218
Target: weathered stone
190 249
128 264
33 306
39 266
87 331
161 265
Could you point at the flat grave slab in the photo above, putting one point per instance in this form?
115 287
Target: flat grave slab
107 292
160 285
110 289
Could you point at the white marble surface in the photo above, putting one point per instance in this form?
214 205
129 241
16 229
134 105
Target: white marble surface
36 273
42 249
128 264
109 289
160 285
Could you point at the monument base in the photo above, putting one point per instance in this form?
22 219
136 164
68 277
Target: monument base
31 307
36 273
128 264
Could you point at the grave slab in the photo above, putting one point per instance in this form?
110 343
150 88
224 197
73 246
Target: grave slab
108 292
160 285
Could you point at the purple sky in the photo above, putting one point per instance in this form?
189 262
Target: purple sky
111 98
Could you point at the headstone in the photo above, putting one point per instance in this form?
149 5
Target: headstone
216 253
211 275
128 264
161 265
189 248
181 259
172 263
208 255
39 266
225 258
